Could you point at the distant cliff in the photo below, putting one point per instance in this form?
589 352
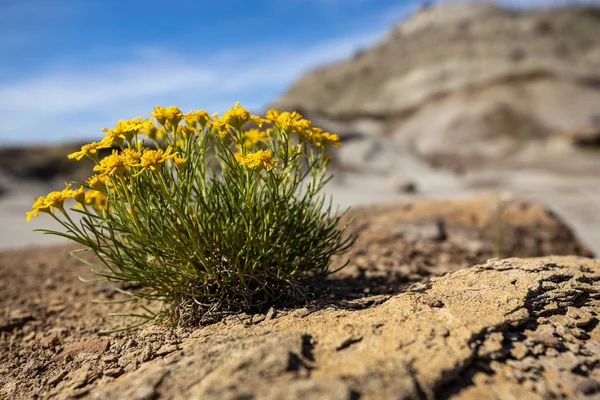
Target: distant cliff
463 86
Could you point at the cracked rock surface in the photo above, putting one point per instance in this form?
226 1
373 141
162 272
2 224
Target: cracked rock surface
515 328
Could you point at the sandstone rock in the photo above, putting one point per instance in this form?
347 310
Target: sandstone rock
335 353
87 347
403 242
113 372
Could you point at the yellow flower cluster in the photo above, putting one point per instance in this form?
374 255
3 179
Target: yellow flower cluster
321 138
236 117
120 161
150 159
98 182
95 197
55 199
123 130
172 114
116 163
254 136
295 122
88 150
129 157
151 131
258 160
287 121
198 117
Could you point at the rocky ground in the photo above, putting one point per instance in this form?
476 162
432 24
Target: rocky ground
396 323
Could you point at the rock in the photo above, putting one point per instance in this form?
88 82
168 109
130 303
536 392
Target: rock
73 350
336 353
146 355
78 393
16 318
30 336
49 341
166 349
57 378
83 377
404 242
270 314
113 372
313 390
519 350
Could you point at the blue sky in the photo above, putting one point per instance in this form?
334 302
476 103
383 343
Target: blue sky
71 67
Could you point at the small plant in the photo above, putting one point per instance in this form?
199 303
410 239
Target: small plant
202 215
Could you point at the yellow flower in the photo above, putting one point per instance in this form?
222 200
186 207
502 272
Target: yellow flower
172 114
149 129
96 199
203 117
115 163
123 130
79 195
319 137
328 139
38 205
186 131
131 156
272 114
190 118
236 117
179 161
258 160
54 199
286 121
88 150
295 122
97 181
197 117
150 159
303 125
252 137
238 155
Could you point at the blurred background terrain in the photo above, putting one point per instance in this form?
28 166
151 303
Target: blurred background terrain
431 100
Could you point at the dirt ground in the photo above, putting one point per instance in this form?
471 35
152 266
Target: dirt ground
49 325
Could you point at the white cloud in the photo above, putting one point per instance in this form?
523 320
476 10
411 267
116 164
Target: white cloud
73 101
70 91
